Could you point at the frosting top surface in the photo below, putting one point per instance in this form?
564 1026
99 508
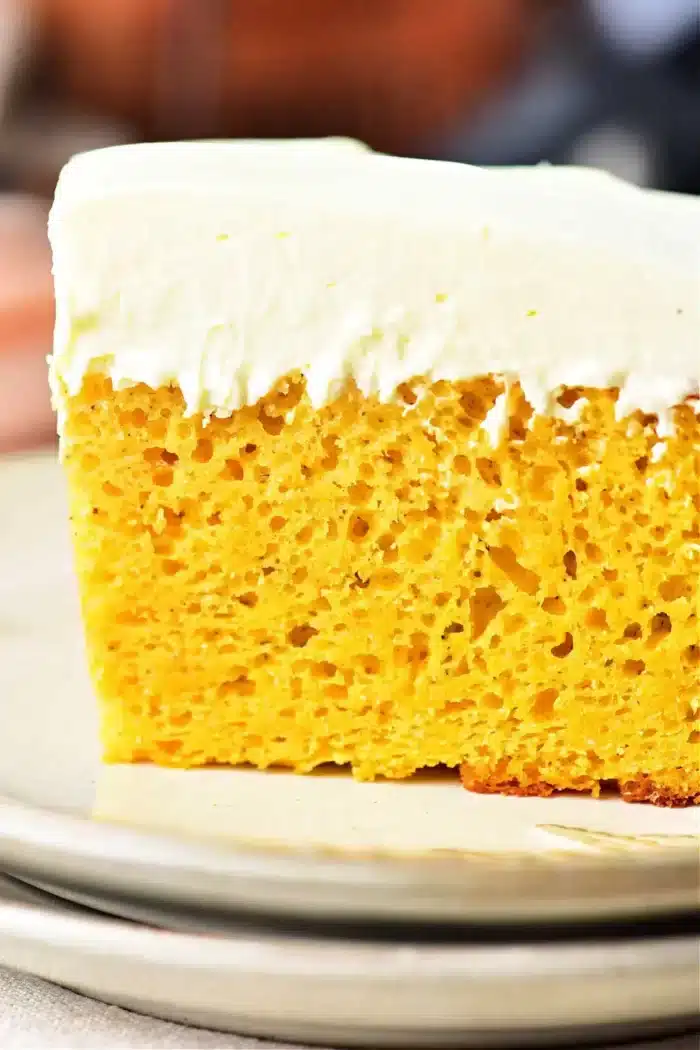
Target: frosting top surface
222 266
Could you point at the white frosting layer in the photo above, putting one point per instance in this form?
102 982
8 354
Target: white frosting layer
222 266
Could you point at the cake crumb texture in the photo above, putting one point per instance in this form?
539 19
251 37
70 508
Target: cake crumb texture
390 586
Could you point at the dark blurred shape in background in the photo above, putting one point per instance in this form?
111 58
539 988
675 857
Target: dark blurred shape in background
613 84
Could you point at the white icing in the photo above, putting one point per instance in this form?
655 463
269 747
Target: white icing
496 419
658 451
222 266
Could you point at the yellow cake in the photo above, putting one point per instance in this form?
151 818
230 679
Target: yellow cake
384 463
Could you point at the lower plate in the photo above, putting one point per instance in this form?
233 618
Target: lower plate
320 847
308 990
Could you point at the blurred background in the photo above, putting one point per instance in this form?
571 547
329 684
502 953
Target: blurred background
613 84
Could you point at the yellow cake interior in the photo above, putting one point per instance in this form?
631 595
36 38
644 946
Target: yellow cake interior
388 586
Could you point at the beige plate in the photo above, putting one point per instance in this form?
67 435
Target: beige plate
411 995
319 846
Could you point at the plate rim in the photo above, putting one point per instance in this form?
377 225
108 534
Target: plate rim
473 978
300 883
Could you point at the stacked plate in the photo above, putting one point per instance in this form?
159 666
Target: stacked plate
315 909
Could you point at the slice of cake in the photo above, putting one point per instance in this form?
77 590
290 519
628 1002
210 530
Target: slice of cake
385 463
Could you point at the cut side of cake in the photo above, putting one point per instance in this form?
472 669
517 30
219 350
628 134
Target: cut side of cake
384 463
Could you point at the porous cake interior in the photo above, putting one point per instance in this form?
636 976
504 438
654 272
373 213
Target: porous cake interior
394 585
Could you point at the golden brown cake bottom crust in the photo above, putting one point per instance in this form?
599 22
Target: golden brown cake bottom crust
672 791
390 586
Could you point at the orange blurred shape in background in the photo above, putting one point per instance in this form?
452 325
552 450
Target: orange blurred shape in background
26 321
391 72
